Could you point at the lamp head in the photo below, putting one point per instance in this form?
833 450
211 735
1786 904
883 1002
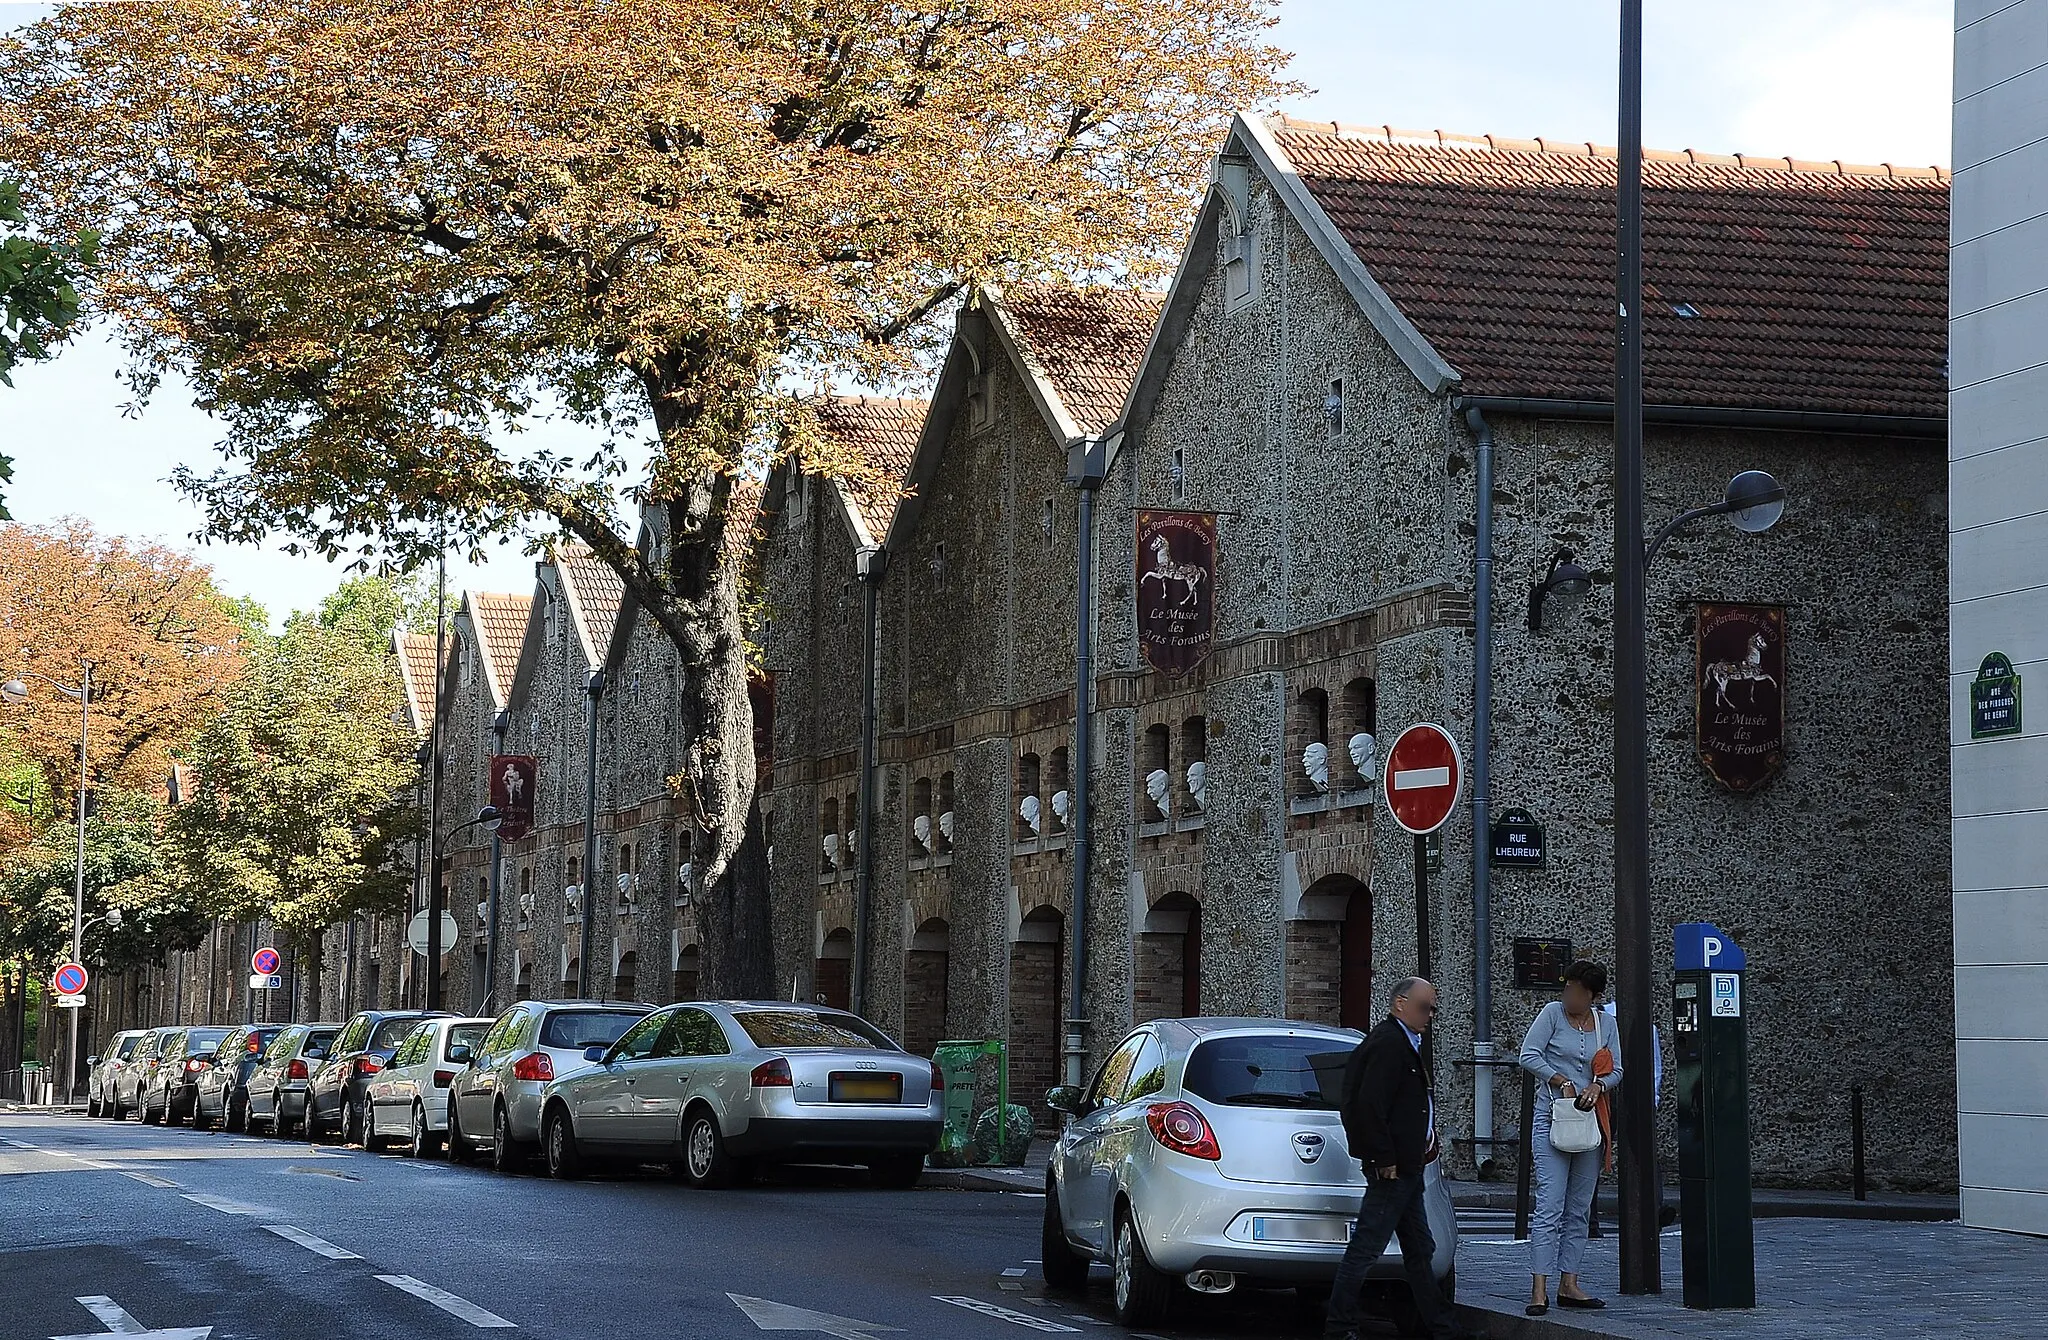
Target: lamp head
1754 501
1567 577
14 692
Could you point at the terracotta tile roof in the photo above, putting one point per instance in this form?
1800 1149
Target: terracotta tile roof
500 622
883 436
594 593
1817 286
1087 342
416 664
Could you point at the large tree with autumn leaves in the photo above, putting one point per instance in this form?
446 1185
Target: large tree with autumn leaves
377 235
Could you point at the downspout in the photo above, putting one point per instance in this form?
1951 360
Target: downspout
593 689
1086 466
499 724
1482 784
868 566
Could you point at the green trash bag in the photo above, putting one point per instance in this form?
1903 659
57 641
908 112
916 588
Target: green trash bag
1016 1138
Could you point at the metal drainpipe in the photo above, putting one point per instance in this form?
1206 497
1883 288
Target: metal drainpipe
868 565
593 689
1482 781
499 724
1086 464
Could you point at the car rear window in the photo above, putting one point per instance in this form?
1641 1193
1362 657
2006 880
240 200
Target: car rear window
1265 1071
466 1035
577 1029
808 1028
203 1040
127 1047
319 1037
389 1033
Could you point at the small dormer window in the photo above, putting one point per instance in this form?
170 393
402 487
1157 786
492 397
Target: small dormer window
981 403
1333 408
1240 272
1177 474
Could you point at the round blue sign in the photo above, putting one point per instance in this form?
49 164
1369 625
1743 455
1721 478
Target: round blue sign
265 962
70 980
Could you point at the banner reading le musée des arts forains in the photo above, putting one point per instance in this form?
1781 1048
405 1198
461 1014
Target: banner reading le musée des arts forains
512 781
1176 589
1740 713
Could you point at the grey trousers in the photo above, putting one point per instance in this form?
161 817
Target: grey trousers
1564 1201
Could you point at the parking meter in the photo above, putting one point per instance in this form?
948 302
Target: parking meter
1710 1036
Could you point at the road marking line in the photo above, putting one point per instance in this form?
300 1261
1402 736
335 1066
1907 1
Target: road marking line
17 1144
447 1302
312 1244
112 1315
224 1205
151 1179
95 1163
1005 1314
1421 779
1014 1272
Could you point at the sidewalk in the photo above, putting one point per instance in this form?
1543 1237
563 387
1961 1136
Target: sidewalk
1817 1279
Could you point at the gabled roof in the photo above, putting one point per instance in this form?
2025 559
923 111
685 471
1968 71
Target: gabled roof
882 436
1086 343
500 624
593 592
742 522
1769 283
416 668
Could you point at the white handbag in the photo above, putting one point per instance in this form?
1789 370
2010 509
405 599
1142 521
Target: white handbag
1573 1130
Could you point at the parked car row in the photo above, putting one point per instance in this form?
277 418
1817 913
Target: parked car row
713 1089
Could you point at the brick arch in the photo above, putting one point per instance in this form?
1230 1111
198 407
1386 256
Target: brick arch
832 975
1037 970
1329 954
925 965
1167 970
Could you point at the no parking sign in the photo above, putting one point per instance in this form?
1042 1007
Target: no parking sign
264 962
69 979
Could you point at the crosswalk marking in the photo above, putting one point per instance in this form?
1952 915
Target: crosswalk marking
312 1244
447 1302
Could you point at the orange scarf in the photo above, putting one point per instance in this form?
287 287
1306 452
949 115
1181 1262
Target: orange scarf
1603 1066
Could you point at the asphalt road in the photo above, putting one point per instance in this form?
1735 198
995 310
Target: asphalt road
279 1240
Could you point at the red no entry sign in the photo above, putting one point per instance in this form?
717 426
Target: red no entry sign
264 962
69 979
1424 776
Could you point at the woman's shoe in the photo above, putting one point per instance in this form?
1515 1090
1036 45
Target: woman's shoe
1587 1303
1536 1309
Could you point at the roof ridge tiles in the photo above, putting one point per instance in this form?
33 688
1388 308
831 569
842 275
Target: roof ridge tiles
1550 146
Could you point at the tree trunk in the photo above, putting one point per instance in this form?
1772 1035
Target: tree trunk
312 961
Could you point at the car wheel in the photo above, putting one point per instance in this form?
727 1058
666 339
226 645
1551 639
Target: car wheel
237 1119
425 1144
352 1132
148 1115
1141 1292
706 1164
200 1121
897 1172
558 1138
1064 1268
505 1156
460 1150
92 1103
281 1126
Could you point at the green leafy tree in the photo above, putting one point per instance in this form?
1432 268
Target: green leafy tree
38 300
298 805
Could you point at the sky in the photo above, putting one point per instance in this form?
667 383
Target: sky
1821 79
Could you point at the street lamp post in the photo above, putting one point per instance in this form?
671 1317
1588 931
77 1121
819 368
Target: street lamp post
487 815
15 692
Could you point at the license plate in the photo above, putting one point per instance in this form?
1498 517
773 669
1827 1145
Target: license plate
848 1087
1266 1229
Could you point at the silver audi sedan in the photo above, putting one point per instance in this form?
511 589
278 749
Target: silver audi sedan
715 1087
1207 1156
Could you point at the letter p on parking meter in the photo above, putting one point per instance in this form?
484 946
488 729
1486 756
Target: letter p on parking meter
1711 1039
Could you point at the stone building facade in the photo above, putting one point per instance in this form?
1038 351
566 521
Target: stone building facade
1353 308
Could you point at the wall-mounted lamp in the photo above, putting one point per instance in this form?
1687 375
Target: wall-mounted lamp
1565 577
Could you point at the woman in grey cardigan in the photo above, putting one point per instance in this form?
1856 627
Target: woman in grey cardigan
1559 1051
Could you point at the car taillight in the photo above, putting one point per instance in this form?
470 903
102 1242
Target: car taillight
296 1070
255 1046
443 1078
194 1065
533 1065
773 1075
1181 1129
938 1079
367 1065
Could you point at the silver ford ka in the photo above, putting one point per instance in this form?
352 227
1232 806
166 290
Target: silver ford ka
1208 1155
715 1087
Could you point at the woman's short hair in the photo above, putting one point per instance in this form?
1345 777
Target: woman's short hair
1591 975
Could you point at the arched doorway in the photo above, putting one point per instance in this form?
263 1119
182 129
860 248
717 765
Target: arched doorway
924 987
1329 954
1167 977
832 976
626 981
686 973
1036 961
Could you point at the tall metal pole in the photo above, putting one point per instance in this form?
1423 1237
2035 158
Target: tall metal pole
78 892
499 724
869 563
434 804
1086 463
1640 1268
593 689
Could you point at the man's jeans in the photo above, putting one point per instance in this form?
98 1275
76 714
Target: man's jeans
1391 1208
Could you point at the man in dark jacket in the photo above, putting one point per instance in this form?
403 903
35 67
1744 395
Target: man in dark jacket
1389 1111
